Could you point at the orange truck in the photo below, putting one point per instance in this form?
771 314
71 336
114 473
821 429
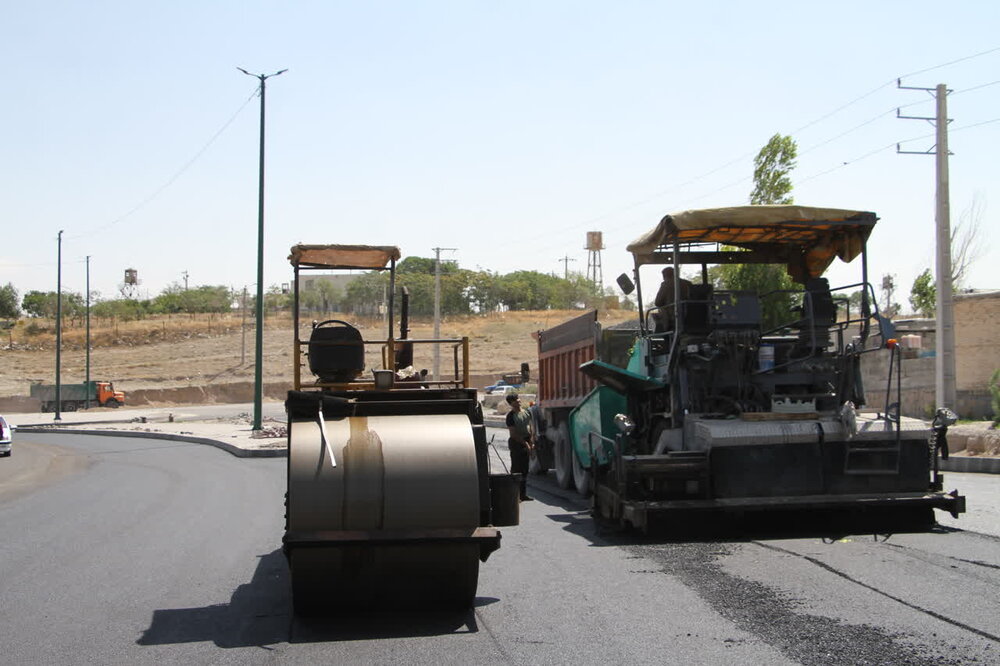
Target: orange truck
75 396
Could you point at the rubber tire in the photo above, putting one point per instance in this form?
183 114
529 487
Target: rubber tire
564 464
112 403
581 477
69 406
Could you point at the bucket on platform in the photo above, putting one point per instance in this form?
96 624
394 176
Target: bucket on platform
765 357
505 499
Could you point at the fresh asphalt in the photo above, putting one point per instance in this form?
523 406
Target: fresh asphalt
152 551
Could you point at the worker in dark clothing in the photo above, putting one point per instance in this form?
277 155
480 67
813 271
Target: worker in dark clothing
520 444
664 301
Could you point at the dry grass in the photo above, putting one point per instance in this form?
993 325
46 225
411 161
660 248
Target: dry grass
185 350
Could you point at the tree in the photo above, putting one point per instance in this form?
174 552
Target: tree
43 304
9 307
205 298
966 245
923 294
770 171
771 186
125 309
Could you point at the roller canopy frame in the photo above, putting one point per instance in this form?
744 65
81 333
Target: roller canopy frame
359 257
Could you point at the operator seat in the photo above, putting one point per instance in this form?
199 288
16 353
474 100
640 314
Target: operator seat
336 353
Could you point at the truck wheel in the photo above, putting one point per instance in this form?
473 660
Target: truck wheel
581 476
111 403
69 406
564 465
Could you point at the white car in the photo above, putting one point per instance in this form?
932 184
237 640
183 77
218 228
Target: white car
6 436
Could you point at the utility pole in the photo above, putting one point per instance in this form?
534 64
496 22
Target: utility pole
258 386
437 309
944 366
185 274
58 416
87 378
565 260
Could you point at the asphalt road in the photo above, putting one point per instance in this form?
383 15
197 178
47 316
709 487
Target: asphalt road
142 551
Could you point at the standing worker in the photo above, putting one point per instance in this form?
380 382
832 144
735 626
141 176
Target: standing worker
519 426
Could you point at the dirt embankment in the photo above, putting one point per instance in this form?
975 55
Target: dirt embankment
184 359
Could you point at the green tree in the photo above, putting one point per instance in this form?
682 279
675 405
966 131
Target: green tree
324 296
125 309
771 184
923 294
43 304
424 265
9 305
484 291
366 293
175 298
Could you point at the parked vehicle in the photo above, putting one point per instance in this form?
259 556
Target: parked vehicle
6 436
711 411
562 349
76 396
510 381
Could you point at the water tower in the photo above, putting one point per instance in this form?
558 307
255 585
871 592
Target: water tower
130 287
595 243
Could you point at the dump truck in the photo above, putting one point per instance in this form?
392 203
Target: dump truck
390 502
562 349
739 402
76 396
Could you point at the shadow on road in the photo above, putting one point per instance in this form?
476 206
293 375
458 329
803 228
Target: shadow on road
377 626
259 614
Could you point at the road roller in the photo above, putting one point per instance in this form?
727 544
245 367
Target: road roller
390 502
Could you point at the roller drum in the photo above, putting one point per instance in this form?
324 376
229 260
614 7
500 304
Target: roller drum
397 475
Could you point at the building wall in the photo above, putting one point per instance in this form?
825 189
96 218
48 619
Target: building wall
977 345
977 356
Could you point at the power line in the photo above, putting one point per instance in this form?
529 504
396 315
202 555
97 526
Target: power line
170 181
952 62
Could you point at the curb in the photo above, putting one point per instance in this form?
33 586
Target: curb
225 446
970 464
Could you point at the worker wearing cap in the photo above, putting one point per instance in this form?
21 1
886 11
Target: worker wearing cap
519 426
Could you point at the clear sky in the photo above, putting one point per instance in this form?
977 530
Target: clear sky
506 130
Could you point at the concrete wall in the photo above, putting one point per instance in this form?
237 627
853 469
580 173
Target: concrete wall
977 355
977 345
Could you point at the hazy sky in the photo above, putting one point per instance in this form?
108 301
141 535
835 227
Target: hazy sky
506 130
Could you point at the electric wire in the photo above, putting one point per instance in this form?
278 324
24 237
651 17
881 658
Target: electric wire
652 197
172 179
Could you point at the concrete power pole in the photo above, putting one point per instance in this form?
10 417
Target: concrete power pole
437 309
945 391
565 261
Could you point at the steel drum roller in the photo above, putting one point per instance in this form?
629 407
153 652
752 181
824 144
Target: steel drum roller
391 475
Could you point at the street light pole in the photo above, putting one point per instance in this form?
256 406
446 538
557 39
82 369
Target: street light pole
259 355
58 416
87 380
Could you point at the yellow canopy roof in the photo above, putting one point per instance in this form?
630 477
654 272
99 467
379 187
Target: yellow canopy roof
805 238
